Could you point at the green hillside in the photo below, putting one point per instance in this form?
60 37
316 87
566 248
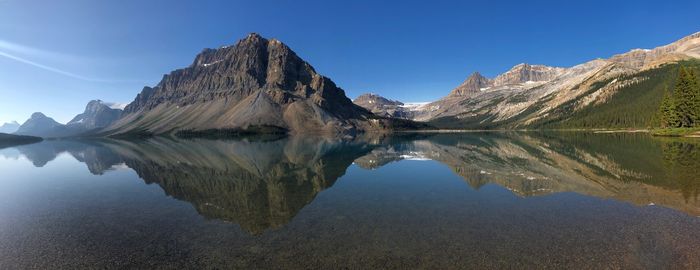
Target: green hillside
634 106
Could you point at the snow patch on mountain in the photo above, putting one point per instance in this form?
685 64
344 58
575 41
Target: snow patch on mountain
116 105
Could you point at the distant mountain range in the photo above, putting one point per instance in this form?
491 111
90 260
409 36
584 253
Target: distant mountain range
261 85
97 115
10 127
622 91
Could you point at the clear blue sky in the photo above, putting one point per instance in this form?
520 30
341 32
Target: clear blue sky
55 56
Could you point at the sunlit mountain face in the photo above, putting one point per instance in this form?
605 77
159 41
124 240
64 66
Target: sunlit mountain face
256 195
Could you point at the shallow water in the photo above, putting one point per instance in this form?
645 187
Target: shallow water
473 200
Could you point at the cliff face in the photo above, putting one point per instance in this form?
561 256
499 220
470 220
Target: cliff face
472 85
256 82
685 48
96 115
523 73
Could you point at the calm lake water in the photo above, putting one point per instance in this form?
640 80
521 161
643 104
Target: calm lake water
447 201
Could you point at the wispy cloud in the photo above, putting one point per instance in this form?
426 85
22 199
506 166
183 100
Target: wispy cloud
52 69
22 50
21 53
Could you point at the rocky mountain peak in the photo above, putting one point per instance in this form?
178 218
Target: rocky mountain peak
256 82
97 114
685 48
372 98
385 107
523 72
95 105
253 37
472 85
252 63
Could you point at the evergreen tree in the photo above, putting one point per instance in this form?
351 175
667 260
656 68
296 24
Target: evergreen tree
668 116
695 88
684 98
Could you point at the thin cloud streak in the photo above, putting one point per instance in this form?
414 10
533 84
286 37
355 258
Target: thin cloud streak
52 69
36 53
20 53
59 71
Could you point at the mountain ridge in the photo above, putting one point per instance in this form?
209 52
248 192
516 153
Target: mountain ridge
254 83
97 115
528 95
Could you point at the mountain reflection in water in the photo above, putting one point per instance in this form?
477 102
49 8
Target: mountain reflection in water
263 183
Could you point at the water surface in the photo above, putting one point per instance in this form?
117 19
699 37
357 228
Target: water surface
473 200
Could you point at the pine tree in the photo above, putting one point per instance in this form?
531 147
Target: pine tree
695 88
668 116
684 98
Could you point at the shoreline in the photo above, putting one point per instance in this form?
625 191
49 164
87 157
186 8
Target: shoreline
685 133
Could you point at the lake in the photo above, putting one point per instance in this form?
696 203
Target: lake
449 201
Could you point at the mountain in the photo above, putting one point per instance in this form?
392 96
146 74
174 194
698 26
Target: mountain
9 127
385 107
526 73
623 91
255 84
40 125
97 114
474 84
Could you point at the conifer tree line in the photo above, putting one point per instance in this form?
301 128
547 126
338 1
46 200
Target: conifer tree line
680 108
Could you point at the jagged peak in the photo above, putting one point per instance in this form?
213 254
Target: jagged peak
250 38
210 57
369 94
253 38
473 84
525 72
477 75
372 97
253 35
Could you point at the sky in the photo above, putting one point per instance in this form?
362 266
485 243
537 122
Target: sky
55 56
